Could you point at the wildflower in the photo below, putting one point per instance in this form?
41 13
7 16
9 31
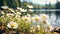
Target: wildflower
32 29
17 17
2 12
28 15
45 21
18 13
31 10
50 28
38 27
5 7
26 18
11 10
44 16
23 10
36 18
9 14
29 6
13 25
19 8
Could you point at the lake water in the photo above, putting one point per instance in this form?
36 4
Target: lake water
55 22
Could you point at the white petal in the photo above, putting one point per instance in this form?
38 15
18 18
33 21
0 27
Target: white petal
9 25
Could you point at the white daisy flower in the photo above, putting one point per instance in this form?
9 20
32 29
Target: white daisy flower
36 18
2 12
50 28
31 10
29 6
17 16
26 18
11 10
23 10
19 8
4 7
28 15
38 26
44 16
9 14
13 25
18 13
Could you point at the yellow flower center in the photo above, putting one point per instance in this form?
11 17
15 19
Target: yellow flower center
12 25
26 19
36 19
49 27
43 16
44 22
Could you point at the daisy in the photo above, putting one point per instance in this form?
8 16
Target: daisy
29 6
13 25
44 16
36 18
25 18
9 14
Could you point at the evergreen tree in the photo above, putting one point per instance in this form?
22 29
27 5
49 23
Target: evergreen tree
57 7
19 2
13 3
1 4
9 3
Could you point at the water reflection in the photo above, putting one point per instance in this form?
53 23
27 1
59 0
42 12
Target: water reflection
53 21
58 21
53 18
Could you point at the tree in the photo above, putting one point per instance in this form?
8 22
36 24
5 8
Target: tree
14 3
1 3
57 7
19 3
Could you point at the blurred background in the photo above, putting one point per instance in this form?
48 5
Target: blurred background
50 7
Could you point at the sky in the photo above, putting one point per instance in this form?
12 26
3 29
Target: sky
42 1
